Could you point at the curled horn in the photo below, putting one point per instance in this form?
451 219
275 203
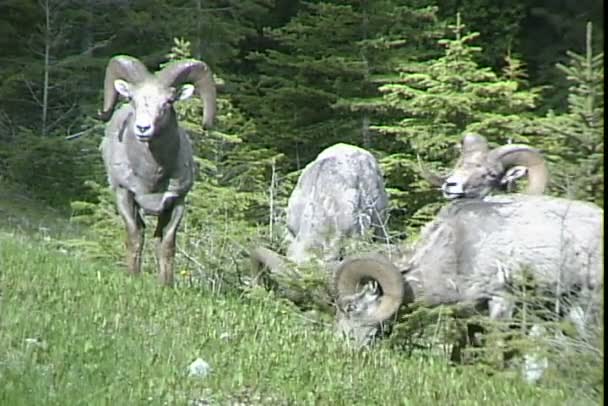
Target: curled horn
514 154
199 74
282 273
473 147
263 257
120 67
354 272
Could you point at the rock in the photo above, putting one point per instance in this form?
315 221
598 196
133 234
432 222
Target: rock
199 368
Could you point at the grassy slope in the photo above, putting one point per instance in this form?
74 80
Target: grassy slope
75 332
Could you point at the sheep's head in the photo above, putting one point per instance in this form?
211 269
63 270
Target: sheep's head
152 95
480 170
370 290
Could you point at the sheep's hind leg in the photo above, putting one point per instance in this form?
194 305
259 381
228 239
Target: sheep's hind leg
134 224
166 231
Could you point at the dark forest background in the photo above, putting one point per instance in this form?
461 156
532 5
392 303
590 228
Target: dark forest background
401 78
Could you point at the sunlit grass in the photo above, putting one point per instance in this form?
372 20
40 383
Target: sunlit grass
82 333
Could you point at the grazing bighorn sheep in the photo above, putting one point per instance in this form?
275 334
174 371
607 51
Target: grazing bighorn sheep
472 252
147 156
339 195
480 170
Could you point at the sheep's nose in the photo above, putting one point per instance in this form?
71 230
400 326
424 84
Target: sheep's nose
142 128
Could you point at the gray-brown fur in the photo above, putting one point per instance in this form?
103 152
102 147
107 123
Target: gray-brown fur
480 170
147 156
340 195
474 250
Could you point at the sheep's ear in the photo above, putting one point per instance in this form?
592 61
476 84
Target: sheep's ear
514 173
123 88
185 92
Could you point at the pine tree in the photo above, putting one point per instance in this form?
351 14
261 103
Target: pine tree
499 25
577 137
232 171
549 29
306 90
53 67
436 101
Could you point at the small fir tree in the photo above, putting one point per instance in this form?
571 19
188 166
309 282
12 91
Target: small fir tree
576 138
438 100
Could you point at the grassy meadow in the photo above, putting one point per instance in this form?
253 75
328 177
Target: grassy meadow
75 331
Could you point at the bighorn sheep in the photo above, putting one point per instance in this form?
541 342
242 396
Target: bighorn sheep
147 156
339 195
472 252
480 170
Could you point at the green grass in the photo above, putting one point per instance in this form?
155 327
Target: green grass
74 332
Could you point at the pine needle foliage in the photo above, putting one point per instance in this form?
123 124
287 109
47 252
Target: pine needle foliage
576 138
435 102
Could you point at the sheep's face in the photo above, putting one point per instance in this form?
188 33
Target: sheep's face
152 103
354 314
472 179
476 177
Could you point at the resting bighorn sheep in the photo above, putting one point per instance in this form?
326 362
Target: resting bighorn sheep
480 170
147 156
471 254
339 195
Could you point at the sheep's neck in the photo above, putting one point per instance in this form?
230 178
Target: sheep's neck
429 291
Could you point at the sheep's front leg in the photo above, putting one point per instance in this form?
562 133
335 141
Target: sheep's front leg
134 224
166 231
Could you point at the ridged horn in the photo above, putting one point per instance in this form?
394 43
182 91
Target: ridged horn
354 272
474 143
264 257
515 154
198 73
431 177
120 67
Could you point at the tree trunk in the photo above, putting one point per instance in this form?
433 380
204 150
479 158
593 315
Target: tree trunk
365 133
47 55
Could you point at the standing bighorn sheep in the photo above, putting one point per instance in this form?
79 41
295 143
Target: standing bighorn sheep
147 156
480 170
339 195
473 252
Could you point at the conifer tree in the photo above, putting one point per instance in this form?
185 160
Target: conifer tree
576 138
232 171
306 86
436 101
